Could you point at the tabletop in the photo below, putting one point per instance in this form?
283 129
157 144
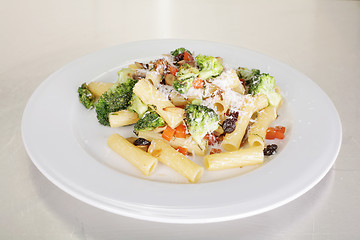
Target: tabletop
319 38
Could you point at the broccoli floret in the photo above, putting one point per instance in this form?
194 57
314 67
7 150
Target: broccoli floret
186 72
265 84
179 51
182 87
136 105
209 66
86 97
200 120
115 99
149 121
247 74
124 74
185 78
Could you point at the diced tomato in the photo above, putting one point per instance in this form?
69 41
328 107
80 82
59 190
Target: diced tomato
280 129
279 135
277 132
168 133
270 133
172 70
180 131
215 150
182 150
188 57
212 139
198 83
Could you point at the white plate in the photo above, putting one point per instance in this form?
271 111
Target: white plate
68 146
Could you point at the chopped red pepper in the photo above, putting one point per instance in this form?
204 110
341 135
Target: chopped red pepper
168 133
198 83
182 150
280 129
270 133
275 132
212 139
215 150
172 70
279 135
180 131
188 57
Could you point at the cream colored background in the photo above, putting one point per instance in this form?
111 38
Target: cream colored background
319 38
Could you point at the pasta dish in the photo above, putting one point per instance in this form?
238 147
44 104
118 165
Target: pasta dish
185 104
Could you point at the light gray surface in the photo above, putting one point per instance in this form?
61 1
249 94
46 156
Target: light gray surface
319 38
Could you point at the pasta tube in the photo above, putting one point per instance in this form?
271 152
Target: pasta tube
175 160
261 102
239 89
239 158
151 96
99 88
220 106
137 157
153 77
257 131
177 99
122 118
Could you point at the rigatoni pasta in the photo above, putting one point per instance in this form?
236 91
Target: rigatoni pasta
240 158
154 78
177 99
122 118
257 131
177 161
142 160
99 88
